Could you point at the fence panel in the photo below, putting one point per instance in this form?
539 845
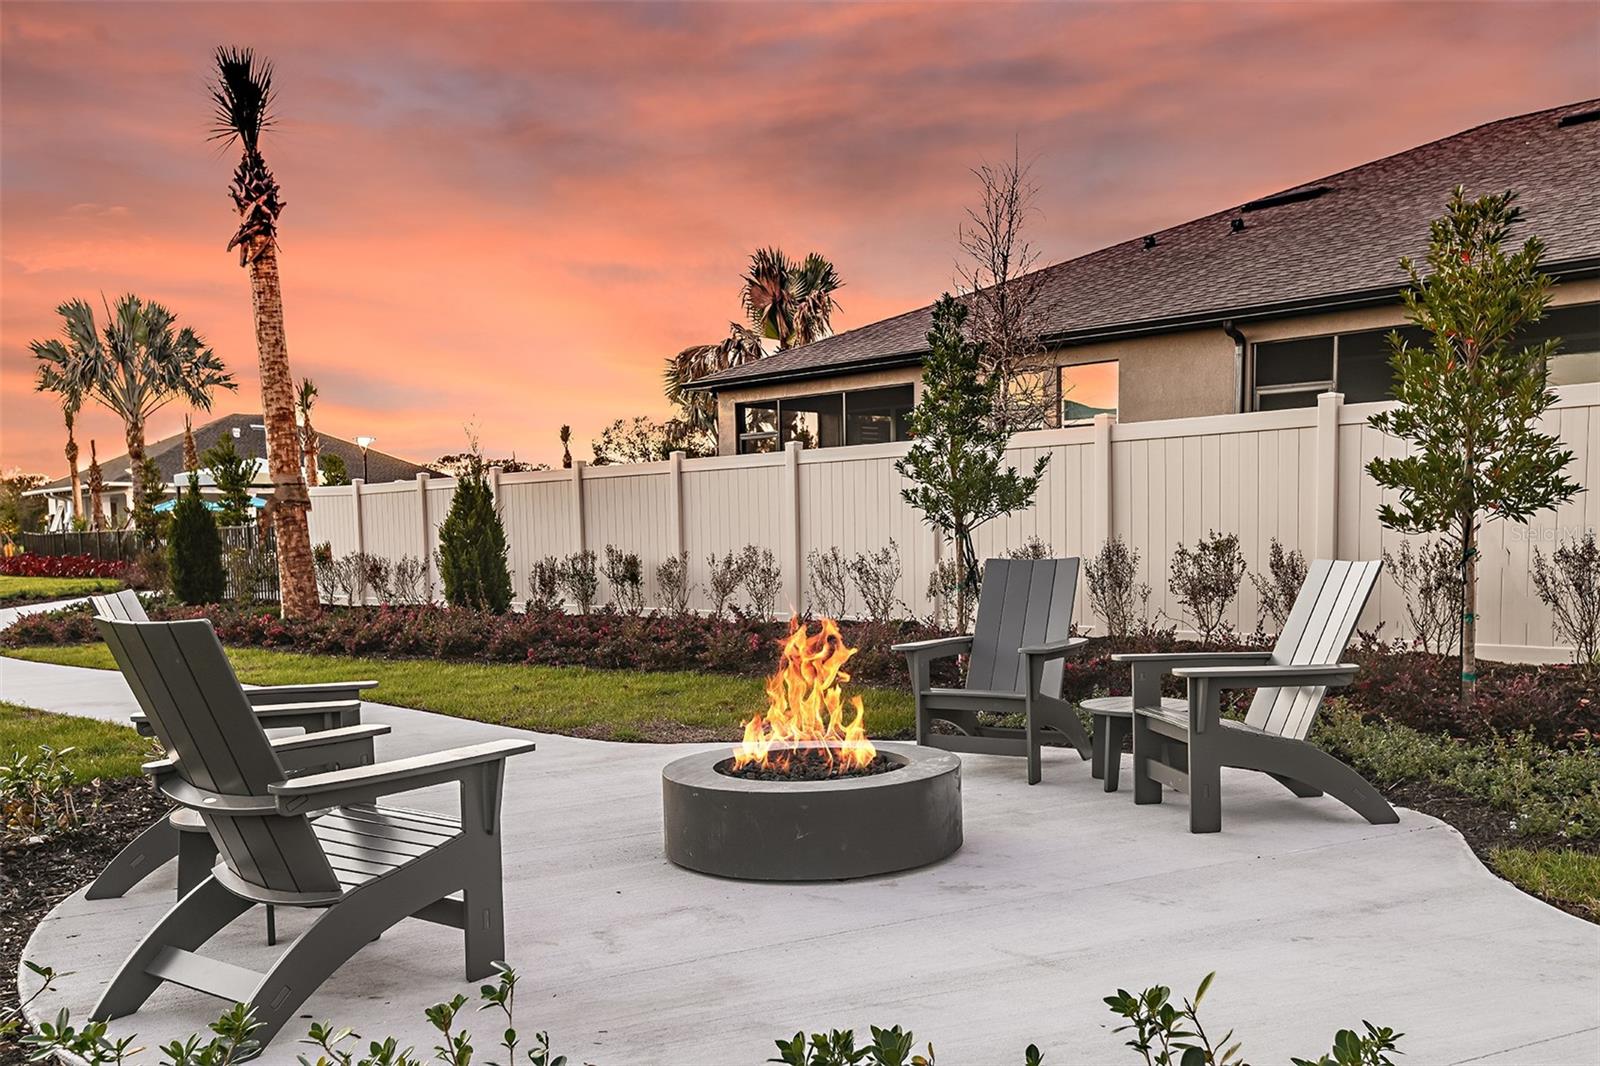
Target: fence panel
105 544
1298 476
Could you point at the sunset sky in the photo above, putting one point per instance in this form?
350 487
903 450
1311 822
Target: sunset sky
509 214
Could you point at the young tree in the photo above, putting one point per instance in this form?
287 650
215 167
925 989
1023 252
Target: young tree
19 513
191 454
234 475
1470 399
244 98
309 441
472 546
1002 292
194 549
136 366
957 456
333 469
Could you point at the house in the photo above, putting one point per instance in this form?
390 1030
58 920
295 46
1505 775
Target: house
1256 307
249 438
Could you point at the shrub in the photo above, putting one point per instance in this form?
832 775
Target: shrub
472 546
876 576
625 575
30 565
759 573
1032 548
726 574
579 579
1430 583
950 609
148 571
673 586
348 575
194 550
409 580
376 577
1206 580
544 585
1278 587
326 568
1114 587
828 579
1569 584
36 798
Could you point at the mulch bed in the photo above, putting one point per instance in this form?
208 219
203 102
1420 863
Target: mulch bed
34 878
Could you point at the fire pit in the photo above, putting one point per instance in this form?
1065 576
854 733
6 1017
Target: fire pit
806 796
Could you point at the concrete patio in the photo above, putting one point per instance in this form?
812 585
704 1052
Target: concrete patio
1312 918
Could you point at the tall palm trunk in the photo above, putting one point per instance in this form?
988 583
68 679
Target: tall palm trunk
72 465
296 580
96 483
133 429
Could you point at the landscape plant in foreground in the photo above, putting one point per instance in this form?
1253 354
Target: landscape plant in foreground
194 550
472 546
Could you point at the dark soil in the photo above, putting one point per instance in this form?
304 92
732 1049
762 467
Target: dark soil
808 768
35 877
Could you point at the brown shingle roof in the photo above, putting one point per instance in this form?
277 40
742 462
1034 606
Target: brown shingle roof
252 444
1344 242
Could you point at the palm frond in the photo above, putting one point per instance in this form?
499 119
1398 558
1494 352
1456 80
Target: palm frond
243 96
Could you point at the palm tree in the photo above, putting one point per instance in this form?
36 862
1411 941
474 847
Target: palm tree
60 372
138 364
97 518
786 302
790 303
243 96
308 435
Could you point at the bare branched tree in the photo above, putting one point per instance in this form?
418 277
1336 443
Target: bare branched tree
1002 290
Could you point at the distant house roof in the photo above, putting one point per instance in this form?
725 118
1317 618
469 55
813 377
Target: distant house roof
1330 242
251 442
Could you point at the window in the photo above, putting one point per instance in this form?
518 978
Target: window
877 416
1291 373
826 420
1088 389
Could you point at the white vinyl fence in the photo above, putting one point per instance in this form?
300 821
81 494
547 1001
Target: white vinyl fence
1295 475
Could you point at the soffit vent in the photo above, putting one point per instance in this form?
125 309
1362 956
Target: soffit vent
1293 196
1580 118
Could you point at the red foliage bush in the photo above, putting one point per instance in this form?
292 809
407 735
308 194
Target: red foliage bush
31 565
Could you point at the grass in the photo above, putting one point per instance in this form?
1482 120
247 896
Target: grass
1562 874
101 749
613 704
43 589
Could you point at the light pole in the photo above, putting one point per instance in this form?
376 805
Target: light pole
364 443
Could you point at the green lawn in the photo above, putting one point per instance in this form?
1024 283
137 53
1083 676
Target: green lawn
613 704
15 590
102 749
1572 877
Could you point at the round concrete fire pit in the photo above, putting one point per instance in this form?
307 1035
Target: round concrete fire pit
812 830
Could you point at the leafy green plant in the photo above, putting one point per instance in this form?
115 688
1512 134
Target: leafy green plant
727 572
234 475
194 550
36 799
1115 591
625 575
1167 1034
1368 1048
579 579
472 546
1471 399
1279 586
956 462
544 585
673 586
761 577
332 470
890 1047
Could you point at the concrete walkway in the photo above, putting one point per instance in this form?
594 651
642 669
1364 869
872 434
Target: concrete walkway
1313 919
11 614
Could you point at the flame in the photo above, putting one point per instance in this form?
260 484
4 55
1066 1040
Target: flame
805 703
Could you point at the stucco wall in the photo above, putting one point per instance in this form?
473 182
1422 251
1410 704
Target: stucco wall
1165 375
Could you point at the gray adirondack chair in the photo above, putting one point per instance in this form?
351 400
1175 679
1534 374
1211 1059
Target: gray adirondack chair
329 710
367 866
1185 747
1019 639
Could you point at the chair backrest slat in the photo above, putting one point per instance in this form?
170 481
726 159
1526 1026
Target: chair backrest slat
1318 629
124 606
1024 602
188 690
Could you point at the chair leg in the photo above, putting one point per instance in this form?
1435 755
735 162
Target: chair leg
1299 788
196 856
1205 786
1097 750
193 920
1116 730
1146 746
144 855
483 913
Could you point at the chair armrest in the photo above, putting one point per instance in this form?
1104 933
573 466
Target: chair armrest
359 783
1193 658
306 741
1055 649
268 715
315 692
937 648
1231 677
